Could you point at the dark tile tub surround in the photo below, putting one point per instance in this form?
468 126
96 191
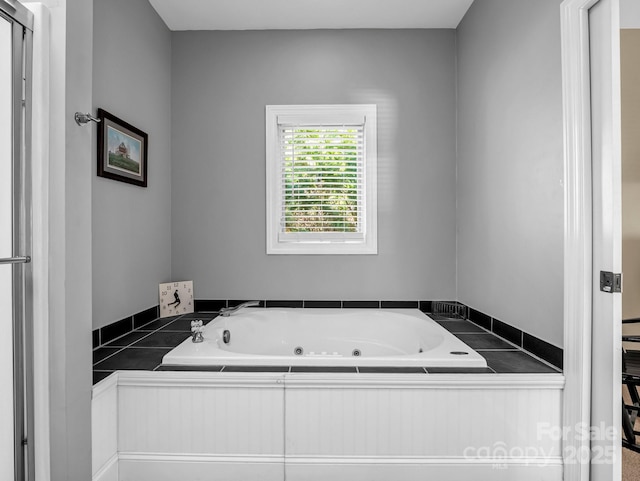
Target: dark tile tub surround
103 352
290 304
542 349
342 369
521 339
145 317
133 358
204 305
140 341
507 332
399 304
460 370
459 326
163 367
128 339
158 323
115 330
255 369
323 304
163 338
100 375
515 362
484 341
425 306
480 319
361 304
214 305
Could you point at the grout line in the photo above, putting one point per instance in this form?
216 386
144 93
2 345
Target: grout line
119 348
129 345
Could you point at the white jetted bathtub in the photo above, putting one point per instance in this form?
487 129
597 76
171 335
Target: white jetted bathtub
326 337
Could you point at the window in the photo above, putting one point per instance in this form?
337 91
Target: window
321 179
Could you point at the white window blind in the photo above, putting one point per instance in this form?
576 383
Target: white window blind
321 179
322 182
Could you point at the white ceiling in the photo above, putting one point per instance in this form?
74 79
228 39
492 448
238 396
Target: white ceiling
309 14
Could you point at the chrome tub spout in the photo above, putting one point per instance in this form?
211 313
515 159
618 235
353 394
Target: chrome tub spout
227 311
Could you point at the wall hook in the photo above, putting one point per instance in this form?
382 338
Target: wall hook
83 119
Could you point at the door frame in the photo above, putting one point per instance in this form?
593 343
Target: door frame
579 231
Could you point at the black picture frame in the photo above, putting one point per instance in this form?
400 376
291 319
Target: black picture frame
122 150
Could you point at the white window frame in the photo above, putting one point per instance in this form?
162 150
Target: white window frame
319 243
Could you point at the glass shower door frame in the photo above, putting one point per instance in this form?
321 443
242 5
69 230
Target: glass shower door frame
21 21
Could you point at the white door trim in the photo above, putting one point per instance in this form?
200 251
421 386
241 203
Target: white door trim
579 280
40 243
578 228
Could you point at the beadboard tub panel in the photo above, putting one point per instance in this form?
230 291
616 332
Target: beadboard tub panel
104 429
239 415
238 426
421 420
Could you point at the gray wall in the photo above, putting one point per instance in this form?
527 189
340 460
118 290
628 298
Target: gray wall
221 83
131 224
510 164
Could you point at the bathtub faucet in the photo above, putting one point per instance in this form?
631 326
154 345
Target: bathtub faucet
227 311
196 331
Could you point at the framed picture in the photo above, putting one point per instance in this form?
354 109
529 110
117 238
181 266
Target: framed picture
122 150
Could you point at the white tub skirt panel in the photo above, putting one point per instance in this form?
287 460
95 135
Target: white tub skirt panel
245 426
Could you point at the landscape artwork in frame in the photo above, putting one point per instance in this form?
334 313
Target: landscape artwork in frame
122 150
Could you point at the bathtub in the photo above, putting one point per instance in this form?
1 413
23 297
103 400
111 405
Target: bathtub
326 337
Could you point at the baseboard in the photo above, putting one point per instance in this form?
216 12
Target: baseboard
440 469
193 467
168 467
